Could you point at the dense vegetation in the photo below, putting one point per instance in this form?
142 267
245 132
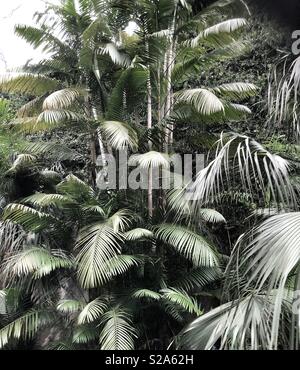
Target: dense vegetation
210 264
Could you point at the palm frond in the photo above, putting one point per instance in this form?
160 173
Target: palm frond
233 325
63 99
69 306
74 187
259 172
198 277
203 100
116 56
219 34
98 244
150 159
146 294
22 161
84 334
121 220
120 135
138 234
118 332
37 261
211 215
92 311
236 90
190 245
29 84
54 149
25 327
47 200
182 299
270 255
29 218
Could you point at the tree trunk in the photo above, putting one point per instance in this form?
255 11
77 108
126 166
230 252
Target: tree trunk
149 126
169 98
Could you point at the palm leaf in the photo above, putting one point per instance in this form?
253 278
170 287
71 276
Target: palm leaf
138 234
182 299
63 99
192 246
37 261
151 159
25 327
92 311
203 100
233 325
146 294
29 218
98 244
29 84
117 332
69 306
120 135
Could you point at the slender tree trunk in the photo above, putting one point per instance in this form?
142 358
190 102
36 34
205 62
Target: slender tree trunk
170 66
149 126
93 152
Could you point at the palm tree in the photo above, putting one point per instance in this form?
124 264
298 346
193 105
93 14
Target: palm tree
77 259
68 258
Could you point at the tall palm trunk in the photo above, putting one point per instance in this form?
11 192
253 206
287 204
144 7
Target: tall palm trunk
93 152
149 126
170 66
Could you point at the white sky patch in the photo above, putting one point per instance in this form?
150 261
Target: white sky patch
15 52
131 28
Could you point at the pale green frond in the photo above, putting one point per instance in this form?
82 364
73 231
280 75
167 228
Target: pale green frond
190 245
146 294
92 311
221 33
22 83
121 220
37 261
258 171
69 306
119 265
198 277
25 327
29 218
41 37
54 149
63 99
203 100
85 334
97 244
237 325
51 175
120 135
116 56
236 90
270 255
211 215
182 299
117 332
94 209
74 187
54 117
150 159
48 200
138 234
